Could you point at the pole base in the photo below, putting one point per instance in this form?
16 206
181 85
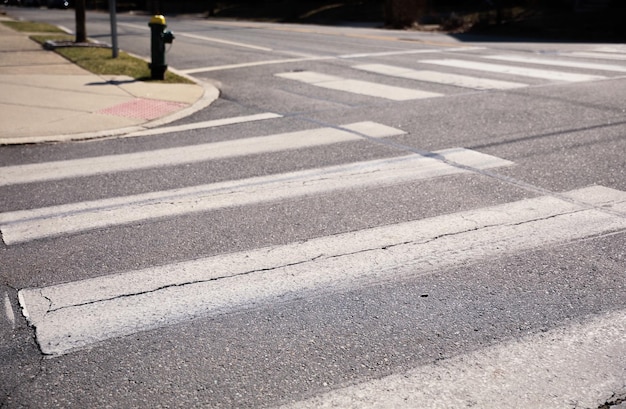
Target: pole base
157 72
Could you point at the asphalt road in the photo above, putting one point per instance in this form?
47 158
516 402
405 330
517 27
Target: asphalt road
496 269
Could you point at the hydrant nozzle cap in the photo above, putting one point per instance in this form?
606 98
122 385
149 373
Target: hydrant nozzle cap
158 19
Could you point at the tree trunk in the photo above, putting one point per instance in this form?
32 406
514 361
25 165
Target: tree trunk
404 13
81 26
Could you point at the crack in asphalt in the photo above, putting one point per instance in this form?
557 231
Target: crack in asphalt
386 247
5 401
164 287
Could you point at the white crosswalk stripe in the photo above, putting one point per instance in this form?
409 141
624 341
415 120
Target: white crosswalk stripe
596 55
357 87
515 70
56 221
439 77
558 63
78 314
616 49
27 225
10 175
476 81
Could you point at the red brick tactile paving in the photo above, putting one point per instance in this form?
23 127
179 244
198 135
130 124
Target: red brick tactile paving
142 108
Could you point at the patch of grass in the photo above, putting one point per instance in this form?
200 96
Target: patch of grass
42 38
30 27
100 61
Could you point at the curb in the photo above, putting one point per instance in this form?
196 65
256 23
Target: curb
211 94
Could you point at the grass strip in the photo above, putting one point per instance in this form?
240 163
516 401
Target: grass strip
31 27
100 61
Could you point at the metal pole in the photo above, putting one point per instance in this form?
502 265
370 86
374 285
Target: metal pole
113 13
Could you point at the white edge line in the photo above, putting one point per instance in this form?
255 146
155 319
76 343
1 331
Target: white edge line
205 38
226 42
253 64
207 124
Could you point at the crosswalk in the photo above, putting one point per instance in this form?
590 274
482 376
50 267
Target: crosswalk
356 86
457 80
469 72
76 315
79 314
27 225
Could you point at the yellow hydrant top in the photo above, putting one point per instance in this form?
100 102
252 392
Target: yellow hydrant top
158 19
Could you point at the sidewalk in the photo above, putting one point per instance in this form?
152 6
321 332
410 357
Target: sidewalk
45 98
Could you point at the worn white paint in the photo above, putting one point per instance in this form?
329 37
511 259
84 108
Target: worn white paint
78 314
439 77
27 225
38 172
371 89
558 63
514 70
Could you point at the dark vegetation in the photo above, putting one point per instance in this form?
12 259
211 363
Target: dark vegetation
581 20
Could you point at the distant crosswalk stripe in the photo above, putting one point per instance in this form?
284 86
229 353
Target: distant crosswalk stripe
38 172
406 52
371 89
78 314
599 55
617 49
558 63
26 225
439 77
514 70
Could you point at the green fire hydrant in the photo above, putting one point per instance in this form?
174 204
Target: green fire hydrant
159 37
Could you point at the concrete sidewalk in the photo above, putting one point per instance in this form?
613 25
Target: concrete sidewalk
45 98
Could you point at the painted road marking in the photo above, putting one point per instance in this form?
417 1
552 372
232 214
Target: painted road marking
26 225
407 52
214 123
11 175
514 70
371 89
78 314
252 64
198 70
225 42
558 63
203 38
599 55
439 77
575 366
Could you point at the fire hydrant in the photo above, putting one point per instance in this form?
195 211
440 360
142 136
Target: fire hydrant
159 37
